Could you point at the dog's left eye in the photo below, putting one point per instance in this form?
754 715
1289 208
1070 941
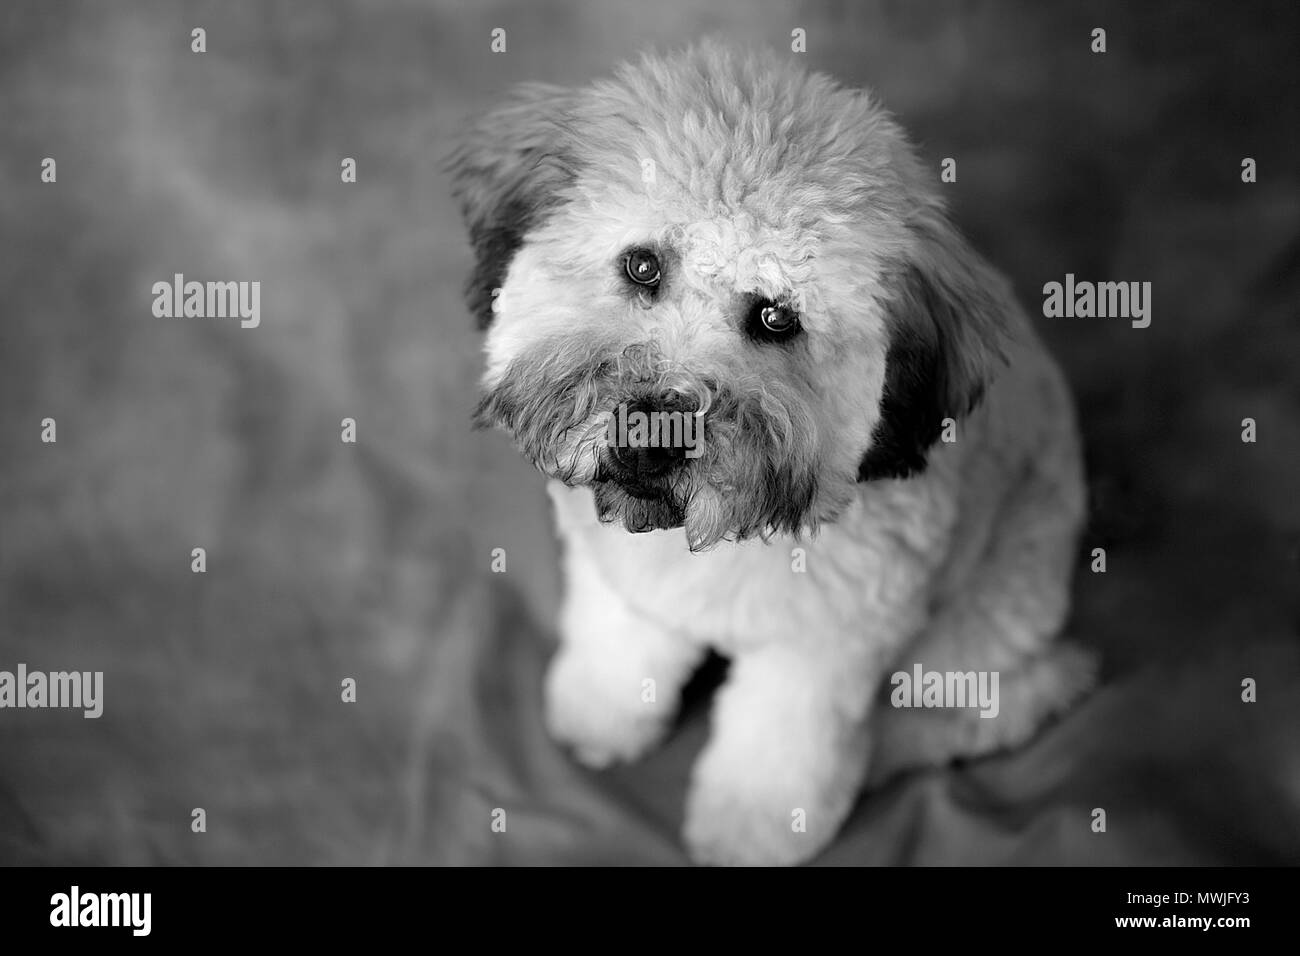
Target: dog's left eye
772 321
642 267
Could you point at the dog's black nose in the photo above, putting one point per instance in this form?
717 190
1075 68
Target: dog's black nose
651 436
648 462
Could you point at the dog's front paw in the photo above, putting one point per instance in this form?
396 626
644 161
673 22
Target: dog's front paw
603 717
742 815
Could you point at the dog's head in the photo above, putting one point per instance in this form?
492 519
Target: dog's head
746 258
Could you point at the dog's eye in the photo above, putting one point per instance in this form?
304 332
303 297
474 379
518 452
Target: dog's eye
778 320
642 267
772 321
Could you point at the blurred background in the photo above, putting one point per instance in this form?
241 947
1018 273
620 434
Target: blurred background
372 561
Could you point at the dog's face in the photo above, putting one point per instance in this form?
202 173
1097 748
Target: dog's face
733 240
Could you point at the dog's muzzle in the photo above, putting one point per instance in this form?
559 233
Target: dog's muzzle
639 479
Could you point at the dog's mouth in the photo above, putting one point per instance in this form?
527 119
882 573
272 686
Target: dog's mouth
642 504
638 514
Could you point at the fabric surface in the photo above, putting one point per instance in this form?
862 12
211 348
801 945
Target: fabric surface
372 561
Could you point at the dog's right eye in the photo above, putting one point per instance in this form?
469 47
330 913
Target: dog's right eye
642 267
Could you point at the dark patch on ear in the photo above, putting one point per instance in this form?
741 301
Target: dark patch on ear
944 345
495 242
910 416
509 171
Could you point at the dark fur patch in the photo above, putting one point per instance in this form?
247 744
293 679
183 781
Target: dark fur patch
496 232
910 415
509 171
946 342
495 242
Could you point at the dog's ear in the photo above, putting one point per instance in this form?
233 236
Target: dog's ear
947 323
507 172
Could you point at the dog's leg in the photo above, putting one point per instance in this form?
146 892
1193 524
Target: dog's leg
786 758
1004 619
614 684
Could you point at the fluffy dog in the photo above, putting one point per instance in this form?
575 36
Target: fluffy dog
889 473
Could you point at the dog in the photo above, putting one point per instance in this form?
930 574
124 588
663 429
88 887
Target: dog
889 473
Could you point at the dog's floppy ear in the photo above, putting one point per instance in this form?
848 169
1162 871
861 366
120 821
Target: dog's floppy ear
948 320
507 172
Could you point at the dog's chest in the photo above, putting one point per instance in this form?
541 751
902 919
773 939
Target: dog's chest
730 597
737 595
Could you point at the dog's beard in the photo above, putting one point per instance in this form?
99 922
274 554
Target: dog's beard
640 505
756 470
